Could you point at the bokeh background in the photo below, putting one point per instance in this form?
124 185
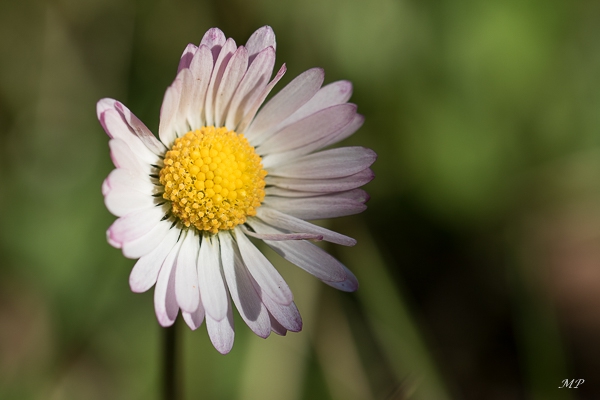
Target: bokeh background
479 255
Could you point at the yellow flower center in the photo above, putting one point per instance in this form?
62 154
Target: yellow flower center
213 179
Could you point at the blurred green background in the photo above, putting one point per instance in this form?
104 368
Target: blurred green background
479 255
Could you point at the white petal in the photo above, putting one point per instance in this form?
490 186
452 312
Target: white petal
121 201
165 302
123 157
292 224
212 287
145 271
273 160
277 191
145 244
126 178
186 276
310 129
333 163
201 68
215 80
194 320
221 332
134 225
261 39
263 271
284 103
323 185
252 107
320 207
185 102
167 128
242 288
251 87
236 68
305 255
282 236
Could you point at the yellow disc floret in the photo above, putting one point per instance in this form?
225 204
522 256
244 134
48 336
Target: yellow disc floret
213 178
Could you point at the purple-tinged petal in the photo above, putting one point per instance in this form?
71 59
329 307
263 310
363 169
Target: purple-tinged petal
330 95
349 284
214 39
242 288
194 320
320 207
135 225
327 164
212 286
282 236
277 327
288 223
310 129
273 160
221 332
251 87
284 103
147 243
252 106
145 271
323 185
236 68
287 315
186 275
305 255
187 56
215 80
201 67
267 277
261 39
165 302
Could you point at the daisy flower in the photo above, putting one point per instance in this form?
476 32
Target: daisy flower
226 169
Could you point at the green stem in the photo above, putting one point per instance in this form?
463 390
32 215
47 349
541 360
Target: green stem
171 376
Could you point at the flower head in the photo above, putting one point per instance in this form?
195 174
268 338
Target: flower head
226 169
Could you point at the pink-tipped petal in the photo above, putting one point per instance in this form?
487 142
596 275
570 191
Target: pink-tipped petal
320 207
261 39
267 277
284 103
274 160
333 163
145 271
288 315
236 68
187 56
324 185
251 87
186 275
305 255
310 129
288 223
242 288
277 327
212 286
194 319
165 302
215 80
214 39
221 332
